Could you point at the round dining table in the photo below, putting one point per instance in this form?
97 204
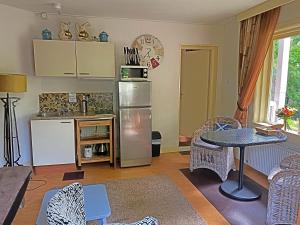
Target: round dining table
241 138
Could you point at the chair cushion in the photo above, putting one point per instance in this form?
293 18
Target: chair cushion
222 126
198 142
66 207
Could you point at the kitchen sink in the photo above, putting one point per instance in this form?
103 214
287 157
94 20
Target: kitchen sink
48 114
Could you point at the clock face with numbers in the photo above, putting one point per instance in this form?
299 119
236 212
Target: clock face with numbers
151 51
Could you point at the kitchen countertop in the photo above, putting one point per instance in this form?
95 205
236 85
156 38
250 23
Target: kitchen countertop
72 115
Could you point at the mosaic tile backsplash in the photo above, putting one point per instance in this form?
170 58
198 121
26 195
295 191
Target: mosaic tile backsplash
56 102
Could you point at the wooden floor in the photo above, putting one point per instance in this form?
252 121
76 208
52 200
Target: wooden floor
167 164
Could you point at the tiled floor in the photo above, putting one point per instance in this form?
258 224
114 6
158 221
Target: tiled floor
167 164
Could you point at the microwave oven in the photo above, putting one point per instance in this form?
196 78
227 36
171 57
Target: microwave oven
134 72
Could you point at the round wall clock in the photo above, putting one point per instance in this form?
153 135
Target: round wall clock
151 51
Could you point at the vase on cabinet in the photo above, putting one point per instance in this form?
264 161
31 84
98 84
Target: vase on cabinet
46 34
103 37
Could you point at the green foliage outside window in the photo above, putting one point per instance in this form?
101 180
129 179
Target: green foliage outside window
293 82
293 86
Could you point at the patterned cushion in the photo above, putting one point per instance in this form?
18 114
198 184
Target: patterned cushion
222 126
198 142
149 220
66 207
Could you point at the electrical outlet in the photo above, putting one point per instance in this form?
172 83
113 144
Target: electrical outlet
72 98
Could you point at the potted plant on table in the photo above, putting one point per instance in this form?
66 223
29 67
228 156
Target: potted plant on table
286 113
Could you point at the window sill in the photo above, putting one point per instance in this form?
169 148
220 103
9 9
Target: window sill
293 136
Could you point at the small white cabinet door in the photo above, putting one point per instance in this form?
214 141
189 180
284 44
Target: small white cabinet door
54 58
53 142
95 59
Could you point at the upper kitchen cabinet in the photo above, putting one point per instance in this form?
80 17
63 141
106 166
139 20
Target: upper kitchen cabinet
95 59
54 58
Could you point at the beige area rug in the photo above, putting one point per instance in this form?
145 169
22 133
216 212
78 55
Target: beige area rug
133 199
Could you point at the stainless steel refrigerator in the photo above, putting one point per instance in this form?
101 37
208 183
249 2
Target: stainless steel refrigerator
135 123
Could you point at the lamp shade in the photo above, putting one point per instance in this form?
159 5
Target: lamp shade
13 83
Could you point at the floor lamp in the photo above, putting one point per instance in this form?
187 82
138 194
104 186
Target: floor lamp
11 83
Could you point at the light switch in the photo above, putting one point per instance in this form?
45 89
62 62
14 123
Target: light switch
72 98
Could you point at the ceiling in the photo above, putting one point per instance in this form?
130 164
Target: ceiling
186 11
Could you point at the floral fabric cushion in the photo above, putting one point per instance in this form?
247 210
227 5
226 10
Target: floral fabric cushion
149 220
66 207
222 126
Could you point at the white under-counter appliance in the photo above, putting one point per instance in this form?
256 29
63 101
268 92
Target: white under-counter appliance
132 73
135 123
53 141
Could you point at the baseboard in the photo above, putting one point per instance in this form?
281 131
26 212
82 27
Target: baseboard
175 149
169 149
184 148
39 170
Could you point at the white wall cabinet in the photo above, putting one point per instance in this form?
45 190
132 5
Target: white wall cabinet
74 58
95 59
53 142
54 58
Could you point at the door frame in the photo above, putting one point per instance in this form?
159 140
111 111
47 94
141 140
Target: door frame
212 89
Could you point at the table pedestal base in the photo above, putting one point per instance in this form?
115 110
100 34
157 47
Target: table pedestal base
248 192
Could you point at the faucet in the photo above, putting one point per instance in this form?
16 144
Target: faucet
63 111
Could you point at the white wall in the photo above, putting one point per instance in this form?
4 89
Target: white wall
16 56
229 69
290 14
165 97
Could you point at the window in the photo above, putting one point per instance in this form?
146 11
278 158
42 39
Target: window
285 79
279 82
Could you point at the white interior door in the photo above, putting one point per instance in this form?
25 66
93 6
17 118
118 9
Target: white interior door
194 90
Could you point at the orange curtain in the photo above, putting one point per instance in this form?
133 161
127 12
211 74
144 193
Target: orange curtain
256 35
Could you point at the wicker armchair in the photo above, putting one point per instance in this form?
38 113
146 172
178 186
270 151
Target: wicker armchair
216 158
284 194
291 162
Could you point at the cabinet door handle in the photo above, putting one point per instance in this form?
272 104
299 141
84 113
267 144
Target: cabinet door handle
65 122
68 73
84 73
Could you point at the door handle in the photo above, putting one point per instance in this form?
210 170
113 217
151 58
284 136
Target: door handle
84 73
68 73
65 122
